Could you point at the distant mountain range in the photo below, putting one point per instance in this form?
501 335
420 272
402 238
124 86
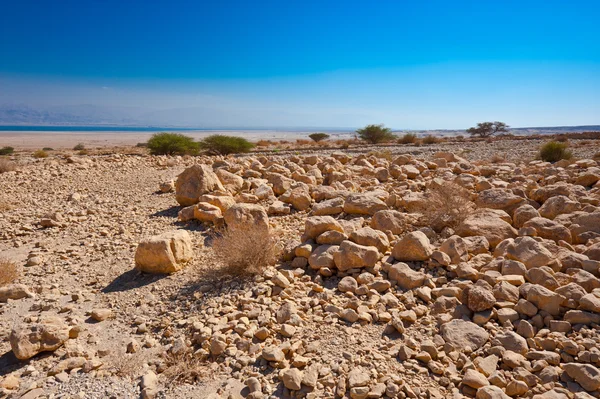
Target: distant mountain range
193 117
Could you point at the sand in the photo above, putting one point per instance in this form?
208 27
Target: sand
66 140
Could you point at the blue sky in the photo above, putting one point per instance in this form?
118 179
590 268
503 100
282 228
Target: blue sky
426 64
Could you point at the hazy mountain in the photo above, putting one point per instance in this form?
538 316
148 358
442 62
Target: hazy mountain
200 117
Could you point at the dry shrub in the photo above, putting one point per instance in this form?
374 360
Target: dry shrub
303 142
8 272
7 165
446 205
40 154
385 154
184 367
497 158
128 365
264 143
429 139
245 251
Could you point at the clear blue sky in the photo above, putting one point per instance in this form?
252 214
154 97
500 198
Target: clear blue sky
419 64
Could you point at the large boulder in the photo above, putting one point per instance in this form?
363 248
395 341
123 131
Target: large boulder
489 224
15 291
586 375
47 335
558 205
526 250
549 229
370 237
232 183
460 334
251 217
406 277
545 299
164 253
363 204
389 220
195 181
497 198
353 256
314 226
414 246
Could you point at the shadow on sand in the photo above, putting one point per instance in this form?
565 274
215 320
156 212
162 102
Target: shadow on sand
130 280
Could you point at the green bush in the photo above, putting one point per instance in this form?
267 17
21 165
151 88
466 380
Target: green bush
318 137
408 138
172 144
6 150
48 149
375 134
79 147
223 145
554 151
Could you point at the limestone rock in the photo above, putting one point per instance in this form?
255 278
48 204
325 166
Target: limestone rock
195 181
47 335
165 253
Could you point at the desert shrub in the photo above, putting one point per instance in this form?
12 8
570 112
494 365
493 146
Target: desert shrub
85 152
223 145
6 150
429 139
385 154
142 145
316 137
8 272
408 138
561 138
245 251
497 158
303 142
445 205
460 137
7 165
375 134
554 151
264 143
184 367
79 147
47 149
40 154
172 144
487 129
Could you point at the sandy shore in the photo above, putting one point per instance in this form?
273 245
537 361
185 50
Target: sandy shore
66 140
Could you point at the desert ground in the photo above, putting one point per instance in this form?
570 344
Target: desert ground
463 269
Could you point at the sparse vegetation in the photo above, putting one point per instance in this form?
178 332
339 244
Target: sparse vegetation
79 147
184 367
487 129
224 145
385 154
142 145
554 151
245 251
48 149
375 134
446 205
6 150
8 272
264 143
172 144
408 138
497 158
316 137
429 139
83 152
40 154
7 165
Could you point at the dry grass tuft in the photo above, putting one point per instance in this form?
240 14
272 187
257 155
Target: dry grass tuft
8 272
184 367
245 251
7 165
385 154
497 158
446 205
429 139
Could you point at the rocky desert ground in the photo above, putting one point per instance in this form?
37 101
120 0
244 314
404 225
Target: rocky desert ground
446 271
